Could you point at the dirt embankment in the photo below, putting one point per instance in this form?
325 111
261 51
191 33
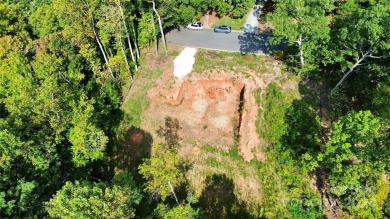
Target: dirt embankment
216 108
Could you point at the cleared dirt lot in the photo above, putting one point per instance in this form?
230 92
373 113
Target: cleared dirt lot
202 107
217 111
214 107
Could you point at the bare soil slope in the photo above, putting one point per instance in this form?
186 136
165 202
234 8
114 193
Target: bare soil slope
215 107
202 107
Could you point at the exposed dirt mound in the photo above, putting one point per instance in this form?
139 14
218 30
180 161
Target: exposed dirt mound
215 107
204 108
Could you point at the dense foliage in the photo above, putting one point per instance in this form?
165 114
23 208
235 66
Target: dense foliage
63 64
343 47
355 164
96 200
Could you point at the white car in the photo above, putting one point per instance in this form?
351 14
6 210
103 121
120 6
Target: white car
195 26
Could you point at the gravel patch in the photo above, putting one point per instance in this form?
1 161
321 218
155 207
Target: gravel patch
184 62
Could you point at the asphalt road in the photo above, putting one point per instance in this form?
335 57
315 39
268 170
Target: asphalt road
234 41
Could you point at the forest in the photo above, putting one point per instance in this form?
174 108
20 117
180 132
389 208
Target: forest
67 68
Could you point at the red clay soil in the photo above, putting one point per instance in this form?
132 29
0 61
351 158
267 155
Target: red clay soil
249 139
208 110
211 110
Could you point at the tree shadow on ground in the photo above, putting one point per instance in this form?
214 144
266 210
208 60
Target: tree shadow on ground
253 43
134 146
219 201
101 169
131 148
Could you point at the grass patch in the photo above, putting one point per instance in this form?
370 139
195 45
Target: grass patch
134 107
233 153
137 101
229 61
244 176
236 24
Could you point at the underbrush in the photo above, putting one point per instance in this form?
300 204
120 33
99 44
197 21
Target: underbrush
272 112
289 124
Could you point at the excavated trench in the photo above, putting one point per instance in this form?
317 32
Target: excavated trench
240 110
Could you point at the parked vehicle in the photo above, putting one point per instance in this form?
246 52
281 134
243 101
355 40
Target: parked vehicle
195 26
223 29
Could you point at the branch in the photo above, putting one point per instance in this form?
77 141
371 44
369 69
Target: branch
377 57
173 192
351 69
127 35
100 45
64 78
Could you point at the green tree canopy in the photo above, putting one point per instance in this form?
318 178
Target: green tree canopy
355 164
305 27
161 171
181 211
96 200
359 36
51 107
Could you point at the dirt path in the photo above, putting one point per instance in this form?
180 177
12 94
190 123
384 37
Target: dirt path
206 21
209 19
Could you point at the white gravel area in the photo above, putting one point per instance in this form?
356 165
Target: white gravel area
184 62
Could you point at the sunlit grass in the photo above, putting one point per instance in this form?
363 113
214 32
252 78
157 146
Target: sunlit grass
236 24
229 61
246 176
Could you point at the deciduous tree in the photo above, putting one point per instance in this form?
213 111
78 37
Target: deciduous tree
96 200
359 36
162 172
352 158
305 27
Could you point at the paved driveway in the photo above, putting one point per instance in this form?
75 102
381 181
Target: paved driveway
234 41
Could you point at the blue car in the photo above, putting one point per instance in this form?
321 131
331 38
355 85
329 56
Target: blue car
223 29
